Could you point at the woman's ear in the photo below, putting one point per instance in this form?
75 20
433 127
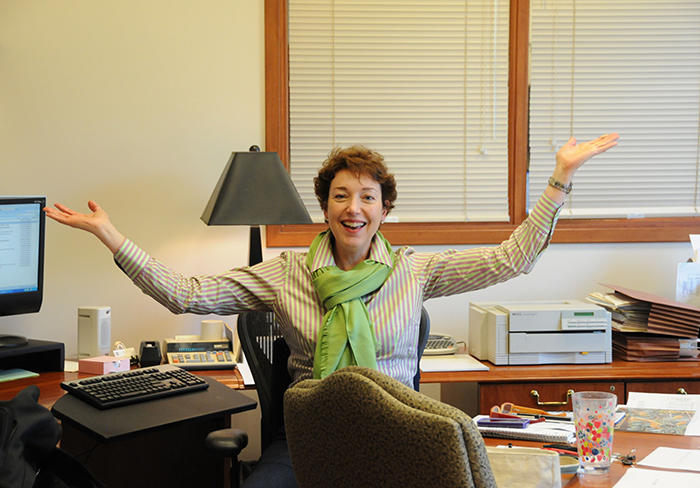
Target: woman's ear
385 210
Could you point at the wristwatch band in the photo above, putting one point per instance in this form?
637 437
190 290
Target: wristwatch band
560 186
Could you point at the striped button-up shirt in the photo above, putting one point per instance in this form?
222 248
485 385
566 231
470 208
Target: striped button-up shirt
283 285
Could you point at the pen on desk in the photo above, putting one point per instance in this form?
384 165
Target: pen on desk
548 418
620 416
566 452
562 449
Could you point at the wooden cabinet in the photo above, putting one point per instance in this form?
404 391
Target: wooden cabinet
551 396
477 391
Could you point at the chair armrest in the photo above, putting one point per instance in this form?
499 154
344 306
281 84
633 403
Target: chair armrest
227 442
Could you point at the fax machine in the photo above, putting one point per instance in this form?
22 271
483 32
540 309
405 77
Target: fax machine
563 332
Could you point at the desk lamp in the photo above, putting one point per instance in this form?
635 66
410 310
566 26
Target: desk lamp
255 189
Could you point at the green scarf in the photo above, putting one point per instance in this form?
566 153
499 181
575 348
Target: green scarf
347 333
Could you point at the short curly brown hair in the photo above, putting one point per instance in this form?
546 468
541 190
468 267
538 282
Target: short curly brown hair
360 161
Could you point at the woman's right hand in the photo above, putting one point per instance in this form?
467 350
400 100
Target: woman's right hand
97 223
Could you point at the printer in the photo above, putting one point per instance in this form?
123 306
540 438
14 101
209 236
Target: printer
547 332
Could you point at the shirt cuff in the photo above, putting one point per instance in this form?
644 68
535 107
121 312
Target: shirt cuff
545 214
131 259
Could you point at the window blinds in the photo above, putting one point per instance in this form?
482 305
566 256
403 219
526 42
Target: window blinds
423 82
628 66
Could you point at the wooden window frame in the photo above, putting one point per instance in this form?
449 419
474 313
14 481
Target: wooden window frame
568 231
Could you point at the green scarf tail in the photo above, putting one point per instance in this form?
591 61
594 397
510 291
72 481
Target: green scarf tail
347 333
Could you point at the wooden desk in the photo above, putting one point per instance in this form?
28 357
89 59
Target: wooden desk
515 383
623 443
136 446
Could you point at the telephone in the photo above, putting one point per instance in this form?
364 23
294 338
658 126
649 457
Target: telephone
440 344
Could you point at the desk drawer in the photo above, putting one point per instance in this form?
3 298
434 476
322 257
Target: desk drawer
691 387
522 393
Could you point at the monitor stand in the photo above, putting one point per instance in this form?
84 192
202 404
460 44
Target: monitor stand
33 355
12 341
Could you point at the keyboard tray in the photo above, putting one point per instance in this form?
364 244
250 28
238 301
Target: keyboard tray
135 386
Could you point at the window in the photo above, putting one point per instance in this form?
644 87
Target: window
630 66
470 231
424 83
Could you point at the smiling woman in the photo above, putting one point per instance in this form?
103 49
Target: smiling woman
352 298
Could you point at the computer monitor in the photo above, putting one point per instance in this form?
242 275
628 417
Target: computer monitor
22 226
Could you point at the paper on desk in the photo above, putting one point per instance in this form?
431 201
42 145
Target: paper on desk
244 369
15 374
688 276
695 242
688 283
648 478
70 366
451 362
673 458
663 401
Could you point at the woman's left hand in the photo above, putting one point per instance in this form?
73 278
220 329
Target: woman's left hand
572 156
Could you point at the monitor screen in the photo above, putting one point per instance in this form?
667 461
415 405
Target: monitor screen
22 225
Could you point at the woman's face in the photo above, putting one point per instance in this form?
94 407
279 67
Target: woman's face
355 210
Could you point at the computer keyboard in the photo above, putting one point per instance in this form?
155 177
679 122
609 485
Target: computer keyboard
135 386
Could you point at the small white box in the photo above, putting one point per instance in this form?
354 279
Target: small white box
103 365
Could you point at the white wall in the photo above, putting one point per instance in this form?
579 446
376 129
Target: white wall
138 105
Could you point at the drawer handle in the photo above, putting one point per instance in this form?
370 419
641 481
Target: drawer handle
681 391
536 396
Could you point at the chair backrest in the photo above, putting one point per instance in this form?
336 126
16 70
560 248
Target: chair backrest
423 333
267 354
359 427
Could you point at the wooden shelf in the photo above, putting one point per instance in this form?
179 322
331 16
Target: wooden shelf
623 370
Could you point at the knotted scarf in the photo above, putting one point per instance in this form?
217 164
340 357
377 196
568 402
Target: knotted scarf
347 334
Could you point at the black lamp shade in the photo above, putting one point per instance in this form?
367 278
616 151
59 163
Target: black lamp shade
255 189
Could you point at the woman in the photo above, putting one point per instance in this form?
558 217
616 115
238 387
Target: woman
351 299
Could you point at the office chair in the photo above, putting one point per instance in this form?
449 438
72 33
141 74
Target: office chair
267 354
360 427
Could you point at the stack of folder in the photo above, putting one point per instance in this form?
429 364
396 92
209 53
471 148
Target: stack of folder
628 314
647 327
645 347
